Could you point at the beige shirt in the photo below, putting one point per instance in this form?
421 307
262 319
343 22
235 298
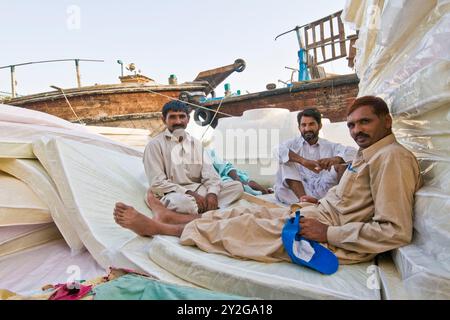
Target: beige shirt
370 210
173 166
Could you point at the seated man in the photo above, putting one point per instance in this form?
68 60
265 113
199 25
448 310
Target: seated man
227 172
181 172
368 212
309 165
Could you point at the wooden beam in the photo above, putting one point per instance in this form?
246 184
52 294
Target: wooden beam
322 36
333 50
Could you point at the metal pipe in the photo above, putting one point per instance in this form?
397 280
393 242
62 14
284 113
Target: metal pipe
13 67
13 81
46 61
77 68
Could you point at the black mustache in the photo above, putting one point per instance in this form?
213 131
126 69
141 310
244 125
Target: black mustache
178 126
362 135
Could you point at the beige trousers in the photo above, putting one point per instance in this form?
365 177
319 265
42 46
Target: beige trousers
247 233
230 192
255 233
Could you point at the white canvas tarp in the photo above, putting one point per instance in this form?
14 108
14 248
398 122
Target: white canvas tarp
26 272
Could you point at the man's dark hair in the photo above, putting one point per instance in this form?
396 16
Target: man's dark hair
311 112
175 105
379 107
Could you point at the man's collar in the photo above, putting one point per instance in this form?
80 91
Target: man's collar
303 141
368 153
167 133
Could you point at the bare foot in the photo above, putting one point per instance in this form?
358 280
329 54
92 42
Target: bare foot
128 217
160 212
164 215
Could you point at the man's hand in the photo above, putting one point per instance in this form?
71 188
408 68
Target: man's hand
312 165
313 230
309 164
201 201
233 175
327 163
211 202
308 199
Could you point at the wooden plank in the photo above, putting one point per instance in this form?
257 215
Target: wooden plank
306 37
314 40
333 50
331 59
342 35
322 37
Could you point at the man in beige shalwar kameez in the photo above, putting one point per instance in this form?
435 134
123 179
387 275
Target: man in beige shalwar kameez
180 171
368 212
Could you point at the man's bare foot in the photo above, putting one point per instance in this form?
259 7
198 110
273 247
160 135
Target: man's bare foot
128 217
164 215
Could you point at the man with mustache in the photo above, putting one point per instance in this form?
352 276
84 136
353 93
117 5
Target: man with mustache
309 165
180 171
370 211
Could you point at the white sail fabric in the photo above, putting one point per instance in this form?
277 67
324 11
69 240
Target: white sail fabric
17 238
26 272
19 205
34 175
260 280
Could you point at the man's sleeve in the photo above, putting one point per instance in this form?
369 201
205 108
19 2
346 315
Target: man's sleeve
156 173
283 151
393 186
210 177
345 152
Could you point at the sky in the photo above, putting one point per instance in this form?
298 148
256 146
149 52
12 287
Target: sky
181 37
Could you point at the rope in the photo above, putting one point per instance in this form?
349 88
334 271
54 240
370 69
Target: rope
189 103
198 106
214 117
67 100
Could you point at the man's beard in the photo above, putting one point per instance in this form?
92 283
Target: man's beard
309 135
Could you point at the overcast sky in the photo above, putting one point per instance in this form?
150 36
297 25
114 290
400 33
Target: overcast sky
160 37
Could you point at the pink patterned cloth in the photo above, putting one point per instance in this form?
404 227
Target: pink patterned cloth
71 291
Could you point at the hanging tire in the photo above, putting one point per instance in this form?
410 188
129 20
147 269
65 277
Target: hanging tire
203 117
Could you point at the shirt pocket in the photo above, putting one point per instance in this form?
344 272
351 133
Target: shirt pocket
345 185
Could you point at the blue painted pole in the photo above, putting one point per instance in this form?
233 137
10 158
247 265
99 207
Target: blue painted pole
303 73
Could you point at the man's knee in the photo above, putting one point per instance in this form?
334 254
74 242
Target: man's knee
180 203
231 191
234 187
286 196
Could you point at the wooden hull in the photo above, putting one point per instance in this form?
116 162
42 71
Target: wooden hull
330 96
97 104
151 121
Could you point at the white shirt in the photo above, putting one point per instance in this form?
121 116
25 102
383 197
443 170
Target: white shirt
320 150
